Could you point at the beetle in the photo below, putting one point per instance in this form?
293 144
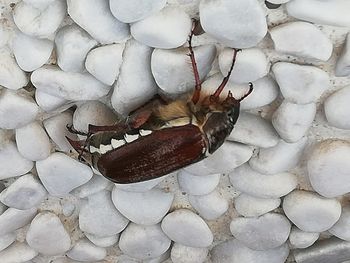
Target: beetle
161 137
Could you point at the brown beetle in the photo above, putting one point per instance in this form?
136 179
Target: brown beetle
160 137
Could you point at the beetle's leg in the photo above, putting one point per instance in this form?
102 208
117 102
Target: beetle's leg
74 131
198 87
249 91
218 91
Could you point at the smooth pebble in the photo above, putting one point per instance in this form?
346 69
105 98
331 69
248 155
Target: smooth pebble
6 240
4 35
13 219
12 162
100 217
329 168
144 242
337 108
280 158
33 142
250 206
300 84
302 239
292 121
342 67
168 28
172 71
17 253
96 184
108 30
141 186
84 250
185 227
210 206
197 184
148 208
26 192
253 130
47 235
250 65
48 102
104 62
129 11
60 173
185 254
72 45
265 232
311 212
242 23
106 241
68 85
249 181
302 39
341 229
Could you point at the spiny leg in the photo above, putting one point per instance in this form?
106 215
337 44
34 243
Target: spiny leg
248 93
218 91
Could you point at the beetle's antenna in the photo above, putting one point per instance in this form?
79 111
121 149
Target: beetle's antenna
198 87
218 91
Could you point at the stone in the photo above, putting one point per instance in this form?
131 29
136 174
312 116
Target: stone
141 186
47 235
48 102
250 206
242 23
4 35
96 184
103 241
168 28
17 253
185 254
60 174
197 184
6 240
341 228
337 109
302 39
342 67
84 250
302 239
13 219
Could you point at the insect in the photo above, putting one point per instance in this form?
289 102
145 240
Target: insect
161 137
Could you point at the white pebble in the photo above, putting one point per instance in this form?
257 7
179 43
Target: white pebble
60 173
185 254
302 39
299 83
233 251
57 130
6 240
16 110
242 23
84 250
250 206
341 229
17 253
25 193
108 29
251 64
39 3
12 162
278 1
94 185
185 227
13 219
39 21
33 142
265 91
143 242
337 108
292 121
197 184
249 181
210 206
4 35
68 85
280 158
47 235
103 241
148 208
229 156
135 79
92 112
100 217
342 67
302 239
104 62
30 52
172 69
48 102
72 45
265 232
311 212
329 168
140 186
254 130
130 11
329 12
169 28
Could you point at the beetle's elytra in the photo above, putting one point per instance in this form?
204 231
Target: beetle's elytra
161 137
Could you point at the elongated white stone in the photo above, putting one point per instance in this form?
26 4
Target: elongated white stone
342 68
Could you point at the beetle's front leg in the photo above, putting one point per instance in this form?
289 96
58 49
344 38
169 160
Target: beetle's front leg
71 129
